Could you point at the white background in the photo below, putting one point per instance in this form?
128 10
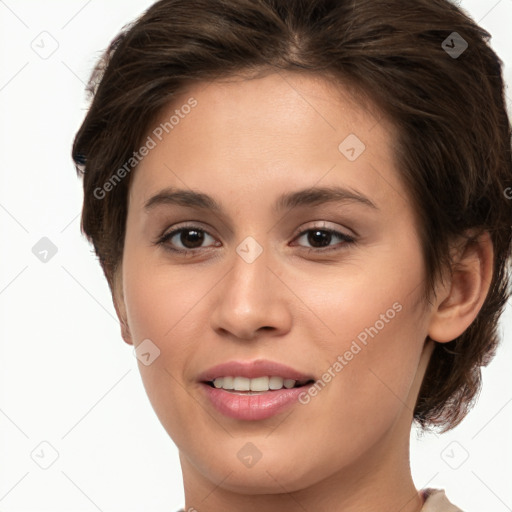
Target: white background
66 377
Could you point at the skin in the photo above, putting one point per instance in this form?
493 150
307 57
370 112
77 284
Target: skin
245 143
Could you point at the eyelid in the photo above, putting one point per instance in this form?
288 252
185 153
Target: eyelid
324 227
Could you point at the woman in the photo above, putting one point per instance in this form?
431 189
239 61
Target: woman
301 211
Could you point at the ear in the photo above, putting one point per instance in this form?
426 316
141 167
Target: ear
461 299
119 305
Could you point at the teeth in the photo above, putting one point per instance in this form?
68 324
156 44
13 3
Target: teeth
275 383
257 384
241 384
228 382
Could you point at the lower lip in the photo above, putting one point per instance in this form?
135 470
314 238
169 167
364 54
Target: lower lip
252 407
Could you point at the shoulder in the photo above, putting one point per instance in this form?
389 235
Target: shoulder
437 501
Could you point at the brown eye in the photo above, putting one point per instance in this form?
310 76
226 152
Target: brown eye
191 238
321 237
185 239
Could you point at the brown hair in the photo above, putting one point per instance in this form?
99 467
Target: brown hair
454 135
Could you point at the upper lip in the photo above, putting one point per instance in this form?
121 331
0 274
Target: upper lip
253 369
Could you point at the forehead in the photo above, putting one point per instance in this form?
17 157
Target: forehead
263 135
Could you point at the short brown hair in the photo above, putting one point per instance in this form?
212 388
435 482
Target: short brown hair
453 148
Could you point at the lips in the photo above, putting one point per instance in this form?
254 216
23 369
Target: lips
252 407
248 405
252 370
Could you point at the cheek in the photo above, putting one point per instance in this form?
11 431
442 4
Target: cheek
364 386
160 306
160 298
371 346
367 301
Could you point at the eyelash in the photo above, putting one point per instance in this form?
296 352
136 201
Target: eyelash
163 240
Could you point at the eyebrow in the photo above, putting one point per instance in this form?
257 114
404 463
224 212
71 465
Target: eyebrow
306 197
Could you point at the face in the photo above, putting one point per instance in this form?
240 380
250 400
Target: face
328 283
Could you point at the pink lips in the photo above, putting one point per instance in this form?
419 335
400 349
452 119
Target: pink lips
251 407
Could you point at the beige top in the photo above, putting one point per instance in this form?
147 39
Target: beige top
435 501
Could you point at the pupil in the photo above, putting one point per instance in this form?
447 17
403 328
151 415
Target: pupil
197 238
319 236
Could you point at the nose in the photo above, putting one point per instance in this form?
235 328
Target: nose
252 299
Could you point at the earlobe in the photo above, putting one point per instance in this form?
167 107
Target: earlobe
470 281
119 305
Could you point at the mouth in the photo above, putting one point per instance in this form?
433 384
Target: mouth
256 386
253 390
